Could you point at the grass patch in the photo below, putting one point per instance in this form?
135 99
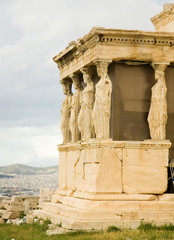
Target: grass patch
35 232
146 226
113 229
44 225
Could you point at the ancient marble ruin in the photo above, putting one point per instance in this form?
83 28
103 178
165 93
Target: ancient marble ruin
117 127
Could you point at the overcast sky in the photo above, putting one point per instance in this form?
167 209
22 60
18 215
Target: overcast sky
32 32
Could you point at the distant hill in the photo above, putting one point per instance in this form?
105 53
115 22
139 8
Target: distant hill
27 170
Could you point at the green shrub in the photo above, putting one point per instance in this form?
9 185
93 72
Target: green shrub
113 229
60 224
22 214
146 226
44 226
3 208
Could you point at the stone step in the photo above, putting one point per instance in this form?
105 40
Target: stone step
149 211
118 205
51 207
88 224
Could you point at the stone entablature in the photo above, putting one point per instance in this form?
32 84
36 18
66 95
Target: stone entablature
164 21
115 45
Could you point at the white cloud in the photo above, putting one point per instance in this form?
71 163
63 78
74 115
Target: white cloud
32 33
30 145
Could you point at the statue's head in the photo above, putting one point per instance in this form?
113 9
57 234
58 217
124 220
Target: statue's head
102 69
77 85
66 86
86 75
86 78
76 82
159 71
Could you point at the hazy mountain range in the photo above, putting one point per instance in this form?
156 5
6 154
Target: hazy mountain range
27 170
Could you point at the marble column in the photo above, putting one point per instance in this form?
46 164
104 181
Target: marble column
102 106
87 102
65 111
157 117
75 108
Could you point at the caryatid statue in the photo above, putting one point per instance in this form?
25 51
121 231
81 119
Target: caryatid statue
102 106
75 108
65 111
85 116
157 117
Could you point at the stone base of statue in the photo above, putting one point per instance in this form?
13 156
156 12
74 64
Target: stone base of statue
105 182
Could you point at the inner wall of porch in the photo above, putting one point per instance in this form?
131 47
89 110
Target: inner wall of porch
131 94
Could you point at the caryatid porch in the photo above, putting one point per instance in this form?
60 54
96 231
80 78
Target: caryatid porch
117 125
122 109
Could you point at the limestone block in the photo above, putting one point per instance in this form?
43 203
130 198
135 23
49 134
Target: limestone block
77 213
70 212
61 192
115 196
105 215
155 215
10 215
91 173
93 155
4 203
62 170
98 163
72 158
79 171
145 157
45 194
166 197
55 198
109 177
16 207
51 207
101 205
131 215
98 225
115 205
157 205
137 179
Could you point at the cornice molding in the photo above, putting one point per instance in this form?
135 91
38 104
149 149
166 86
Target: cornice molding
95 143
114 37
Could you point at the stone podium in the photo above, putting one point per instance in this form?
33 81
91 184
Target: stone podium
115 152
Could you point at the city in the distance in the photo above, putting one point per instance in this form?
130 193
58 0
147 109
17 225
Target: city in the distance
19 179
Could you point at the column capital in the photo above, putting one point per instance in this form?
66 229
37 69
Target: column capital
102 66
74 77
160 66
100 60
86 72
66 81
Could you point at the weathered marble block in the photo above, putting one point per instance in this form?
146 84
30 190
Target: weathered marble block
105 166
